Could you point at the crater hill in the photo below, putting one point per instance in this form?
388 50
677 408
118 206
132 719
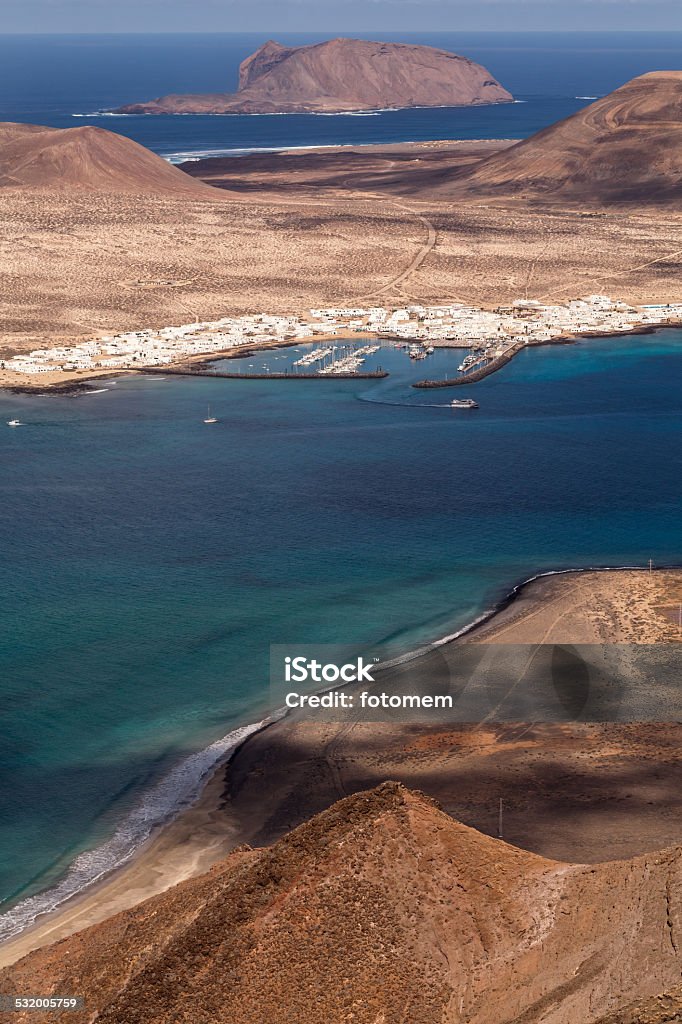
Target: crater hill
339 75
69 159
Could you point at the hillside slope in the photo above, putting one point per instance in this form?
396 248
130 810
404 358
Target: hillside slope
380 909
90 158
342 74
626 147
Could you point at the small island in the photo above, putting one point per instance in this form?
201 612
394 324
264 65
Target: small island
341 75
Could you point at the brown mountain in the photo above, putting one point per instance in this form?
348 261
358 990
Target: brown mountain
87 158
342 74
665 1008
380 910
625 147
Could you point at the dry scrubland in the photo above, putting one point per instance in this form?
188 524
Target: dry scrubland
572 791
74 265
99 235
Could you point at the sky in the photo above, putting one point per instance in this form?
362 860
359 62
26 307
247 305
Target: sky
337 17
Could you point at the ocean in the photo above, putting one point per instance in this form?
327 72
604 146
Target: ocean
150 561
64 80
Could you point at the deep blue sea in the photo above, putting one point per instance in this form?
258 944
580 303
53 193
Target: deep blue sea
149 561
50 79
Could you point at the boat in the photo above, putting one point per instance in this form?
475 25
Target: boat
14 423
209 418
463 403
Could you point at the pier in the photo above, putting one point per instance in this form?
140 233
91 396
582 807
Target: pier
191 371
471 378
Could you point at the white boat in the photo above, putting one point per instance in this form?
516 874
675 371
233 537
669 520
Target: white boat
14 423
209 418
463 403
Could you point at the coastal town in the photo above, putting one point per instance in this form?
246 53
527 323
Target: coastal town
489 333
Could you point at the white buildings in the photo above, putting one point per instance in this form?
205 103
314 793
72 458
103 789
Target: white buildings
455 324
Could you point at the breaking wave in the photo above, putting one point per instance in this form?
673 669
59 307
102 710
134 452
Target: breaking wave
177 790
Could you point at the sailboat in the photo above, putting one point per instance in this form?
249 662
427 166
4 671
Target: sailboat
209 418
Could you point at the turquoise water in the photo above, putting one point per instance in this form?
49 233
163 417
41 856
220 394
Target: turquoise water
149 561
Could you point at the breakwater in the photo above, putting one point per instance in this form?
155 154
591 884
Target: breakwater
470 378
195 372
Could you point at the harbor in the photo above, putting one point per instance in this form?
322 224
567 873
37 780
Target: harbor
481 367
421 330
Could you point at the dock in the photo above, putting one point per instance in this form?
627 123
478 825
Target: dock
471 378
195 372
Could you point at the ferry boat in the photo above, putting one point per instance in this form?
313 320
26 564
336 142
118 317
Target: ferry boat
463 403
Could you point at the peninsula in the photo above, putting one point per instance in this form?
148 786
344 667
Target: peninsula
340 75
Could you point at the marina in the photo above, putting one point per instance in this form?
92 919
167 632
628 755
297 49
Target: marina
492 336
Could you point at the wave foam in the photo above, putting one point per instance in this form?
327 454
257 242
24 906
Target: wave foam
173 793
205 154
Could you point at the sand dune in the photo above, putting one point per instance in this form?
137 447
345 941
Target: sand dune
626 147
380 909
33 156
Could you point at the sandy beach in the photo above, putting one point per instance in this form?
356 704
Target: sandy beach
186 847
576 791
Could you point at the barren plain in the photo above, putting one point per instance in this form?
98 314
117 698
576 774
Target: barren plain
76 263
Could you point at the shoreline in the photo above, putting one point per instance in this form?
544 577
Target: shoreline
77 382
330 149
190 841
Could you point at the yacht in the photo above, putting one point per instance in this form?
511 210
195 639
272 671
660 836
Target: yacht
209 418
463 403
14 423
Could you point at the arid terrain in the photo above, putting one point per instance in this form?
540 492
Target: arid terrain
338 75
382 908
624 148
298 232
579 791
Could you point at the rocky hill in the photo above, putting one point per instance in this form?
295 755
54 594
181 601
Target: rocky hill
342 74
626 147
662 1009
380 909
87 158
